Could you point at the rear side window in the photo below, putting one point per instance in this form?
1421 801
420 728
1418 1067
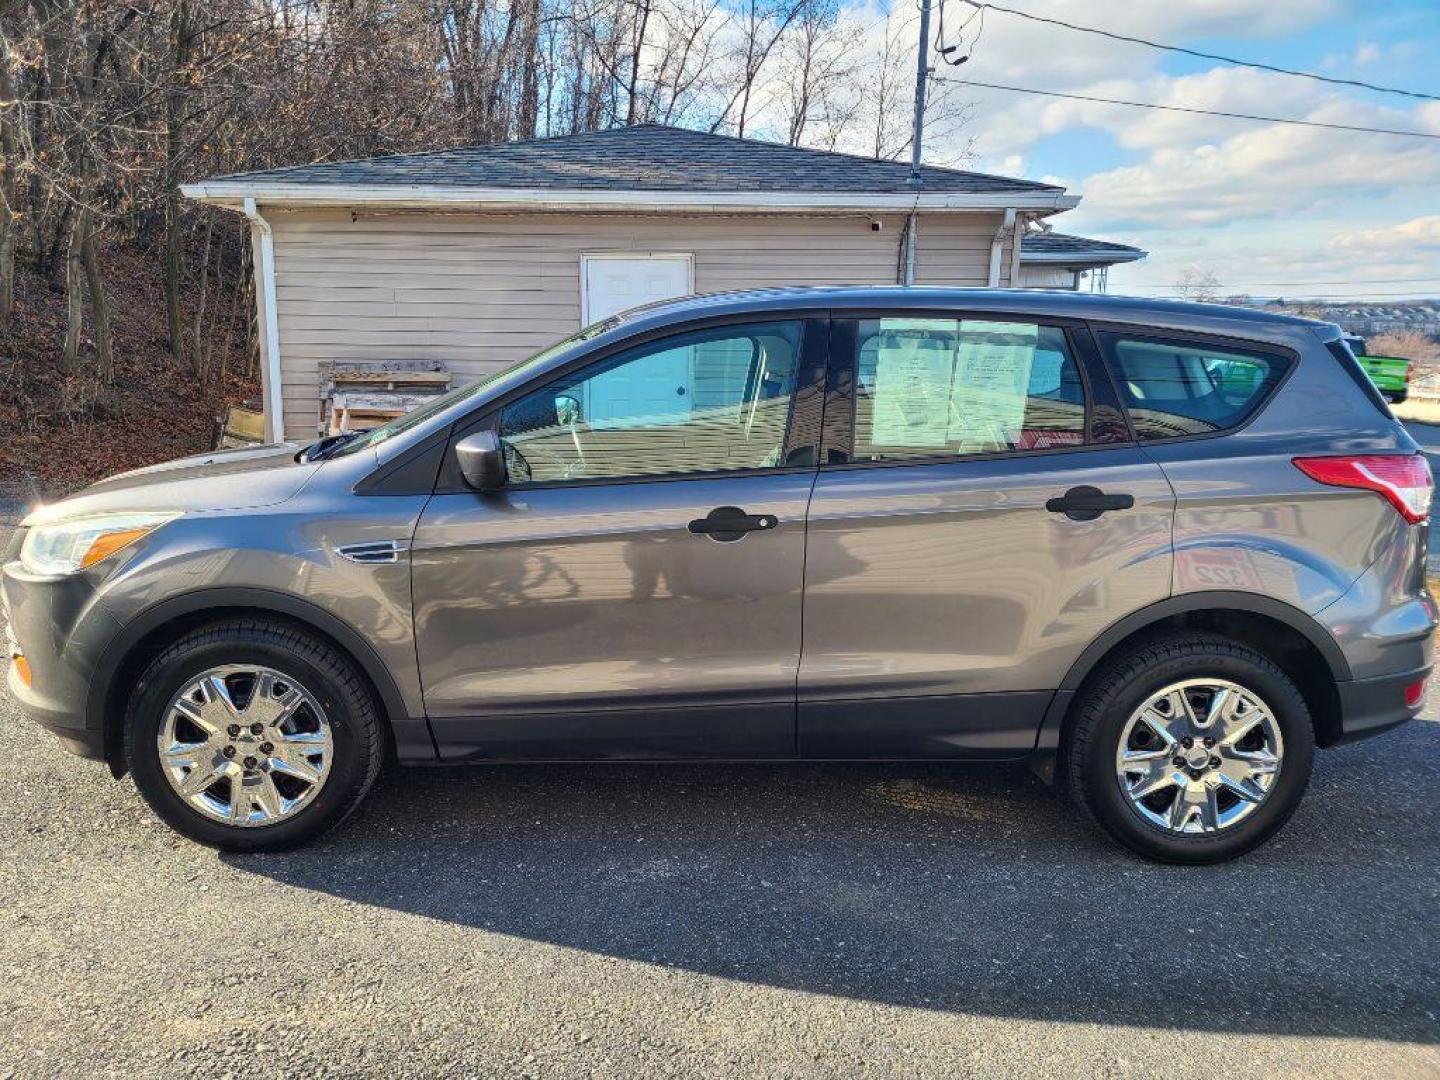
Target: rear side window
930 388
1175 388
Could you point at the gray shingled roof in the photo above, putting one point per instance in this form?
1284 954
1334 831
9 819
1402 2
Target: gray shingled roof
1053 245
646 157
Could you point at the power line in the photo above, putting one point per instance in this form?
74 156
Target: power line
1199 112
1204 55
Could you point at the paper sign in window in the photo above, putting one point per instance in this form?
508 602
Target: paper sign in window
914 363
991 384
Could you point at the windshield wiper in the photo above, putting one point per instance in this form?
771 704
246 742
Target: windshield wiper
322 448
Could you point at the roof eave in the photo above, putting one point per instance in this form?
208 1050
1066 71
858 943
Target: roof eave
1083 258
424 196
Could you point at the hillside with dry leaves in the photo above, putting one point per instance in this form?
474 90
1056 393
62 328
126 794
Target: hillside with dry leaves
60 431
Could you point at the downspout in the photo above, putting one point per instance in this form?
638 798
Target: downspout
997 246
912 225
269 321
1019 235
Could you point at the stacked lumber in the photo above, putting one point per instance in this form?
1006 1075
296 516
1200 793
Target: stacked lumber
360 394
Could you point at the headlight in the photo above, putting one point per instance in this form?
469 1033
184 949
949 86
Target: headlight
67 546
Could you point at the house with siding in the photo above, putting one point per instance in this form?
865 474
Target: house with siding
477 257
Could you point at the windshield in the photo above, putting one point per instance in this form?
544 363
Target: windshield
401 424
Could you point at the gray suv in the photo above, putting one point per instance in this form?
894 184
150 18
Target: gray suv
1161 551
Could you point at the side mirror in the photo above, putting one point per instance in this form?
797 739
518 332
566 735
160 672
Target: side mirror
482 461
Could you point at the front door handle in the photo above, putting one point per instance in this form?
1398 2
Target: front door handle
1086 503
731 523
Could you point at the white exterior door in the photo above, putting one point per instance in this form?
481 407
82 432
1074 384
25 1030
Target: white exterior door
612 283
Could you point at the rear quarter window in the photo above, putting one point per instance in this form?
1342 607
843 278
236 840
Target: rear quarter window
1174 388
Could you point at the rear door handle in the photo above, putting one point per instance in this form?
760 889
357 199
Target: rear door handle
731 523
1086 503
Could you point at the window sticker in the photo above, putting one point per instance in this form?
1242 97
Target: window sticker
945 385
914 364
992 379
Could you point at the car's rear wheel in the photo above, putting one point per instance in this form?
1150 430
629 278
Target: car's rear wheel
1192 748
252 736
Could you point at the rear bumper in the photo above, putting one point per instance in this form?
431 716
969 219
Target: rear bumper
1370 706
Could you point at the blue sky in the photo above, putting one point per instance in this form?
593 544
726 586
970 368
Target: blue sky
1261 206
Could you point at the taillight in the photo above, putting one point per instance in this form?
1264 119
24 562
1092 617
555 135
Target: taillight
1404 479
1415 693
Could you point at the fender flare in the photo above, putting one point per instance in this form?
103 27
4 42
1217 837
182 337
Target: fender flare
263 601
1048 737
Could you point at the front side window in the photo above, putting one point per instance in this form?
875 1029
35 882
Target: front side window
706 401
937 387
1183 388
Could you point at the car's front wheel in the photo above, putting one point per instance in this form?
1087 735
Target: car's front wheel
1191 749
252 736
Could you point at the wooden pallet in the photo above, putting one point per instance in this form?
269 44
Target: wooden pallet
360 394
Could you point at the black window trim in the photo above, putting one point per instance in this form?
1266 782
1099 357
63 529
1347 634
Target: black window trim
808 394
1106 333
842 378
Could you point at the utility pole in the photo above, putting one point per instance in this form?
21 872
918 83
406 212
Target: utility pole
922 74
922 71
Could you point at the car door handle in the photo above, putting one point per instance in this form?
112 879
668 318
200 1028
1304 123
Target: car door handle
1086 503
731 523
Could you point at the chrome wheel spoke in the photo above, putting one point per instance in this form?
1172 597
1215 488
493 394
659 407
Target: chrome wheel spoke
1246 790
239 807
187 755
270 773
1153 776
1182 810
1222 707
271 709
195 713
1213 745
296 765
1209 810
267 797
201 778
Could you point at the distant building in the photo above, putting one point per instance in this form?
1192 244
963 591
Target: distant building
1051 260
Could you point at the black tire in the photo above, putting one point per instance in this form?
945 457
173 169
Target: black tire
1088 764
329 675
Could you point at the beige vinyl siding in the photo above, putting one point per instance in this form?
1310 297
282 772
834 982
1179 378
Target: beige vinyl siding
1040 276
482 291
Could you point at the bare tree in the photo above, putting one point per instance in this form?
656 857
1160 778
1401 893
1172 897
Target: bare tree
1198 283
819 61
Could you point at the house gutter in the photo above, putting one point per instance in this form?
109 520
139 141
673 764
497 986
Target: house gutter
997 246
233 194
269 319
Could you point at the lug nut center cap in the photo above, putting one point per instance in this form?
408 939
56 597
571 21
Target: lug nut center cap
1197 757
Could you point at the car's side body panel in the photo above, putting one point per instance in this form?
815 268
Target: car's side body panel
933 583
545 617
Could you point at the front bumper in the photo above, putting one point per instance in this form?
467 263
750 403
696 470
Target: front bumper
1371 706
61 629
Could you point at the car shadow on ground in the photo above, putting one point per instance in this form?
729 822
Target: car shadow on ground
968 890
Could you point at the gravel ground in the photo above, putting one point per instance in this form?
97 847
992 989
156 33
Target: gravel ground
678 920
682 921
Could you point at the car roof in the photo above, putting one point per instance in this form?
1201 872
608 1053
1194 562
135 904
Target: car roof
1097 307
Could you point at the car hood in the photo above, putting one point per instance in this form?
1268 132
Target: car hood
219 480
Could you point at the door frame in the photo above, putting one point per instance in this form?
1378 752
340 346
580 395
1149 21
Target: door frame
586 257
808 407
1105 425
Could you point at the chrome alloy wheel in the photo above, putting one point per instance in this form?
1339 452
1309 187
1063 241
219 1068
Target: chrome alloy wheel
1199 756
246 745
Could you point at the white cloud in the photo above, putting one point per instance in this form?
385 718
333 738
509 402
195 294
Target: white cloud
1422 233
